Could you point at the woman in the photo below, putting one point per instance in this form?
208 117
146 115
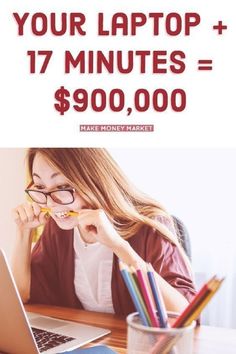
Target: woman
75 261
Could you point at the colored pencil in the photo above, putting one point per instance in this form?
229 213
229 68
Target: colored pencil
202 293
191 313
147 298
164 341
133 271
196 306
157 297
132 293
196 313
71 213
165 345
133 279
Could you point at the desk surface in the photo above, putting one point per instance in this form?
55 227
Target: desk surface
207 340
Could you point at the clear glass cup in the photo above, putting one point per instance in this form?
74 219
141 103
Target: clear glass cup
153 340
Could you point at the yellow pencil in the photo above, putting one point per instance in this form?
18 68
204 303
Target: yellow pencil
71 213
45 210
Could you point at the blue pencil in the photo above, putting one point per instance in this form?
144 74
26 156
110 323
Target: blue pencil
133 295
157 297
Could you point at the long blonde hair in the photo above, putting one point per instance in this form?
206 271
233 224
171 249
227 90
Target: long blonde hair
102 184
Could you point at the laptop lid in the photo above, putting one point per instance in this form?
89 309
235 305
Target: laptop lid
16 336
14 327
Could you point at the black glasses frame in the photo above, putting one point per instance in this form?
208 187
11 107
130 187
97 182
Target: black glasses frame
46 194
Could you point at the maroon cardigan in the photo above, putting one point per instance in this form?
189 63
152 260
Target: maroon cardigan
52 268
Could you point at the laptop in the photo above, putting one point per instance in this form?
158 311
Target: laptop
30 333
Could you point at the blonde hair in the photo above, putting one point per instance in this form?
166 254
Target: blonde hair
102 184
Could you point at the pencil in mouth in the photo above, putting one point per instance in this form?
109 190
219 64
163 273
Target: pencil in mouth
63 213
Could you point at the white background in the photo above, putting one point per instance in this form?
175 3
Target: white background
28 117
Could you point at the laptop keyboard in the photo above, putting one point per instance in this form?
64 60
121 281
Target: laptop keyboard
46 340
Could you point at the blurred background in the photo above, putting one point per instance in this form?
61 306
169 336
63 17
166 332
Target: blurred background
196 185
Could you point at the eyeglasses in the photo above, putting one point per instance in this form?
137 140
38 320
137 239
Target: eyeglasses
60 196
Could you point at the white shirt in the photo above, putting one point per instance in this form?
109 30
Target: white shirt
93 270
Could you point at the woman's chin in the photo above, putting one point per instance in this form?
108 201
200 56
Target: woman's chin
65 223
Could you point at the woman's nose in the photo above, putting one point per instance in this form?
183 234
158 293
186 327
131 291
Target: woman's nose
50 201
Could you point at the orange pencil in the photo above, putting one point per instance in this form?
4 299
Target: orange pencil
201 299
196 313
191 313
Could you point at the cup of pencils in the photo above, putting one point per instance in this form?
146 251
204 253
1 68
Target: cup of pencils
156 340
151 330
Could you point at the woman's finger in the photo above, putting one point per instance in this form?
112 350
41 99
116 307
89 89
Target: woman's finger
29 212
22 215
36 208
16 216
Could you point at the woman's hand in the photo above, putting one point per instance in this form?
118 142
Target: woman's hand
28 216
95 226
